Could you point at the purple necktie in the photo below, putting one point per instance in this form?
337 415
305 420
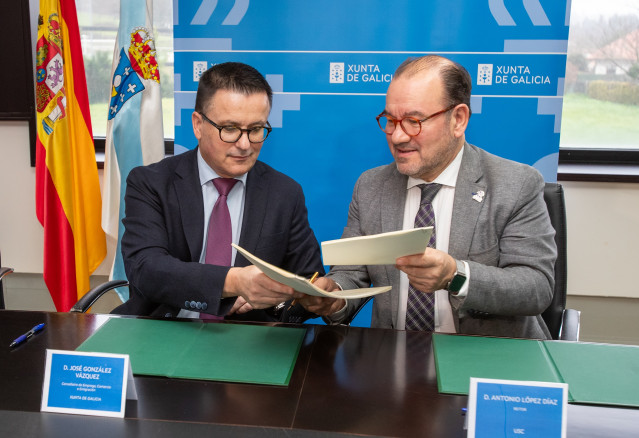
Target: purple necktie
220 233
420 314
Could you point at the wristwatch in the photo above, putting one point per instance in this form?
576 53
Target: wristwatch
458 280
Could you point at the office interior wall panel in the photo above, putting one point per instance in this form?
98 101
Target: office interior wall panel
21 235
20 231
603 238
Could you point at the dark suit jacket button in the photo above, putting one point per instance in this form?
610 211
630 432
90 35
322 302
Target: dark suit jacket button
198 305
204 306
192 304
187 304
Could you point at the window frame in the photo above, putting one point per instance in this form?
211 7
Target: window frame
99 144
601 165
575 164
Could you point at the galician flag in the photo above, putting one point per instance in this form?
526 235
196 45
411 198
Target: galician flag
135 135
68 203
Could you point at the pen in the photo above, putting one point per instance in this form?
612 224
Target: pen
313 278
20 339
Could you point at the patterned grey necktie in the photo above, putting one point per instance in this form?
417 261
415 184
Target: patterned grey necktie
420 309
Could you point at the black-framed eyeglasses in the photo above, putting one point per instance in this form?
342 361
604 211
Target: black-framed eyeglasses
412 126
231 134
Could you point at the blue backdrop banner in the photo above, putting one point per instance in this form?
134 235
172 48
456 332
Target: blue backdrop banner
330 63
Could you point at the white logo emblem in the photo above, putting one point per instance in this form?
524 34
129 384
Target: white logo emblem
337 73
199 67
485 74
479 196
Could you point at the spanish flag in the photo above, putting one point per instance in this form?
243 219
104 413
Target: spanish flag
68 203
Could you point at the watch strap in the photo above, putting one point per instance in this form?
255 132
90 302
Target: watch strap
458 280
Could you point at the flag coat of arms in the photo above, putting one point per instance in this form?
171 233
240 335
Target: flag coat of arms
135 135
68 203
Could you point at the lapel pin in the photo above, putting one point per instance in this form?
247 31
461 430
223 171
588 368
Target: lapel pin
479 196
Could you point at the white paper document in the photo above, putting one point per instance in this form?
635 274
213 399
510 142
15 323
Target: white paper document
376 249
302 284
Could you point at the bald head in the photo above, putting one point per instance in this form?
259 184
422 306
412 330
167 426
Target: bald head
455 78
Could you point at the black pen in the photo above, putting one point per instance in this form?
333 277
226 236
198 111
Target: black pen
27 335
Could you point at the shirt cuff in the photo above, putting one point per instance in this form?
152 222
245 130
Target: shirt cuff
337 316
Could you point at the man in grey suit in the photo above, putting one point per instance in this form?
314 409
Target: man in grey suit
492 271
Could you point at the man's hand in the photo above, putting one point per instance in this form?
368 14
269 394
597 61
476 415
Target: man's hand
429 271
240 306
323 306
256 289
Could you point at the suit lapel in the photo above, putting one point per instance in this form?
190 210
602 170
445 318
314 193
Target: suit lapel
391 203
189 198
255 204
466 208
466 211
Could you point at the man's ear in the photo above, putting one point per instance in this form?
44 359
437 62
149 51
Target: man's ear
460 116
196 120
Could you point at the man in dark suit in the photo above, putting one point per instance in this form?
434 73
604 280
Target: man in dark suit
169 203
491 271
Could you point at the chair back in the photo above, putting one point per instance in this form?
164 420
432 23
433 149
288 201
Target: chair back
89 299
3 271
554 197
1 288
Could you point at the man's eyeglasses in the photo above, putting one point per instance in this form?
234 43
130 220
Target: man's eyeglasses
231 134
412 126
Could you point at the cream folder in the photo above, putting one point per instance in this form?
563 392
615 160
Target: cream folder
303 285
376 249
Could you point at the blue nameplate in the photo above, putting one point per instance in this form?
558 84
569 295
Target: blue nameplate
86 383
508 408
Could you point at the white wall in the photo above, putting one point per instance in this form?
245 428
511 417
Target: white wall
21 236
603 225
20 231
603 238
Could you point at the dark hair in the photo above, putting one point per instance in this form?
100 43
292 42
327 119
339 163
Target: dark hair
456 79
234 76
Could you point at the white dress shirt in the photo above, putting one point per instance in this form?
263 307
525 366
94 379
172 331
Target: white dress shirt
235 202
443 208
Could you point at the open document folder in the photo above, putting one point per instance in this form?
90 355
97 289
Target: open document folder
303 285
376 249
603 374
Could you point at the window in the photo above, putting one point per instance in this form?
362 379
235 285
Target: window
600 122
98 21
